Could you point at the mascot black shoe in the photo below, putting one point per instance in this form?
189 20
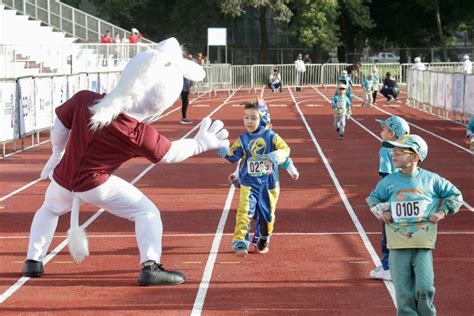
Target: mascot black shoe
155 274
32 268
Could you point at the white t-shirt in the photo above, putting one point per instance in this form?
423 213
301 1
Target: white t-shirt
467 67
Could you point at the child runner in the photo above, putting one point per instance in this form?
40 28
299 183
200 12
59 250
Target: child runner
376 83
288 165
261 151
470 132
342 110
368 86
346 80
408 202
392 128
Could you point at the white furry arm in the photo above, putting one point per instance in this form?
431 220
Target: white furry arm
181 150
59 137
210 136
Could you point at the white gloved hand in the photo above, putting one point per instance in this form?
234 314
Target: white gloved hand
378 209
212 136
52 162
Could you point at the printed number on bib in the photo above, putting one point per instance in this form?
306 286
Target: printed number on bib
407 210
258 166
340 112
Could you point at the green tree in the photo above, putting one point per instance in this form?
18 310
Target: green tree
315 25
355 24
279 9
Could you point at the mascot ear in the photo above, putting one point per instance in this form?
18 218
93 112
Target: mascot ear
191 70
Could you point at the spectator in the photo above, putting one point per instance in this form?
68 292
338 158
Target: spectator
104 50
307 59
275 81
467 65
117 38
201 60
353 70
418 65
117 48
300 69
135 37
106 38
390 88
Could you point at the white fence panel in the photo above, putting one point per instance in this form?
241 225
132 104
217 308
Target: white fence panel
469 96
44 102
27 105
8 111
458 97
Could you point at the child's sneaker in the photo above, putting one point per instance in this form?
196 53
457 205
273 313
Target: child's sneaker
241 252
380 273
341 136
262 245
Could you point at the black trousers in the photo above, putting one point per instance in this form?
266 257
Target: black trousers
184 103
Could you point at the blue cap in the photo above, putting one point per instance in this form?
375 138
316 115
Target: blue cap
397 125
413 142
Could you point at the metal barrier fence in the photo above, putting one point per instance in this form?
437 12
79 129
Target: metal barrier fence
450 94
27 104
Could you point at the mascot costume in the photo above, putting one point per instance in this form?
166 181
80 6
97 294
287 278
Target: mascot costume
94 134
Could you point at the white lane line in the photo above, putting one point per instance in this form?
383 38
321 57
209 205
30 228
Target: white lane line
3 198
211 260
18 284
340 190
231 234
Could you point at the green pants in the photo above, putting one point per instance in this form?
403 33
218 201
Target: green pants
413 279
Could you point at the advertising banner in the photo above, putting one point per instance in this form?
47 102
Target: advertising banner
458 93
449 92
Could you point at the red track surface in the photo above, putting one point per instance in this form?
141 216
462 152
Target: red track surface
317 264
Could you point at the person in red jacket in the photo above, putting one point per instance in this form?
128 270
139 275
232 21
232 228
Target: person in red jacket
135 37
94 135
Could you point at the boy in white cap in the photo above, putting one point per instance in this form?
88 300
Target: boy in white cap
342 110
392 128
408 202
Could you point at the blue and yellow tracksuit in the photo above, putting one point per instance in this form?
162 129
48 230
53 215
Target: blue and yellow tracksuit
258 194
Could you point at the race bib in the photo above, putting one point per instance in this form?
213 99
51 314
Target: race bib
340 112
408 211
258 166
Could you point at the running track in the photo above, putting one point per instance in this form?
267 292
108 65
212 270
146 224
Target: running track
325 242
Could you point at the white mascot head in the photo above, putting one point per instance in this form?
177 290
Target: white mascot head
417 60
150 83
